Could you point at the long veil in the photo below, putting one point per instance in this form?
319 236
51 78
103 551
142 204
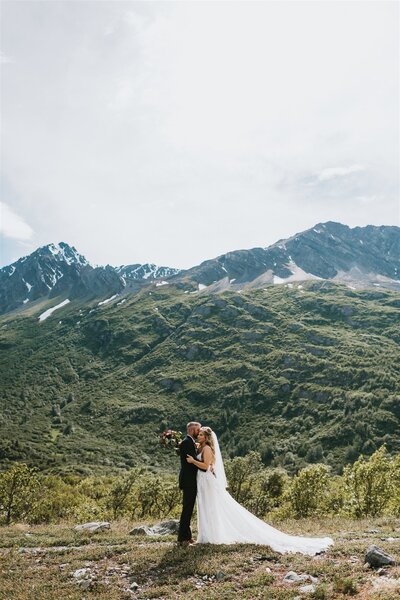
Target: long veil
219 469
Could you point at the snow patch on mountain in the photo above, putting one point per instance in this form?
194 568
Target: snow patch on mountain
107 300
50 311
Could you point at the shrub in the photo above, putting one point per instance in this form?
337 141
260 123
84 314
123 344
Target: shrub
346 586
370 483
18 491
118 497
56 500
240 473
308 491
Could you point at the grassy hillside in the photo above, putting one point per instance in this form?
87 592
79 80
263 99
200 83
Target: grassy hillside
302 373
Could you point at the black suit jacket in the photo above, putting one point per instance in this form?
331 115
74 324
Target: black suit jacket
188 472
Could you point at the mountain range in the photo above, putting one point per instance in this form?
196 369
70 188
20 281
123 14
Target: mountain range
360 257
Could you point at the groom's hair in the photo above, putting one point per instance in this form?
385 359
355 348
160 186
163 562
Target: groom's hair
192 424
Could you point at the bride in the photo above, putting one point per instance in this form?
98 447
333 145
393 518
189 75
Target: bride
222 520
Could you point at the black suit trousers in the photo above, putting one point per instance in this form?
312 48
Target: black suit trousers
189 499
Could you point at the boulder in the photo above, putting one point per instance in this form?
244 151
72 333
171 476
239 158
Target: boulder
142 530
376 557
94 526
170 527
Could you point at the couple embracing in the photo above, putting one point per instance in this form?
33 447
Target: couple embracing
220 519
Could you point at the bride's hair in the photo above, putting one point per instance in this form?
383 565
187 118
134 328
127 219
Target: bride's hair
209 438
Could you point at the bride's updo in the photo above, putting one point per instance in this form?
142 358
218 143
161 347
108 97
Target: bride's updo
209 438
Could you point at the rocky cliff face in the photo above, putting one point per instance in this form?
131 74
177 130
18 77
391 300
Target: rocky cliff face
58 269
147 272
52 267
360 257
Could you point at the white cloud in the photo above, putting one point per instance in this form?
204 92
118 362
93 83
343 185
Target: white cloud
5 60
333 172
180 130
12 225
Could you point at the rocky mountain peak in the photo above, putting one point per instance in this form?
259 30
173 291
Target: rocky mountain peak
63 252
57 269
148 271
360 257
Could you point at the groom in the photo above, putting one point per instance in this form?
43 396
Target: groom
188 482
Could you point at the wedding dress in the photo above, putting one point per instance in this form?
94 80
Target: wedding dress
222 520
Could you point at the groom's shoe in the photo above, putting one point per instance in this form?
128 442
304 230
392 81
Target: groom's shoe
184 543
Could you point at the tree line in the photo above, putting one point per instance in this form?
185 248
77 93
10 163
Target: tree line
368 487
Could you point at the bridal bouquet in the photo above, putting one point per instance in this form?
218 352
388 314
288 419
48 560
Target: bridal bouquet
170 439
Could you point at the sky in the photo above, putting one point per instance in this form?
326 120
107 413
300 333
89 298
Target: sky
172 132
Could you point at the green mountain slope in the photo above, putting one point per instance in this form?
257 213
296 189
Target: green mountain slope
302 373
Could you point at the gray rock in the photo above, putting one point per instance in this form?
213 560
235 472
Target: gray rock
94 526
293 577
376 557
80 573
219 576
290 577
170 527
307 589
142 530
134 586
